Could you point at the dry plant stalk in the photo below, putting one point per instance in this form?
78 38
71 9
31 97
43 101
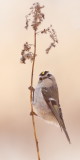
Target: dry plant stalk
36 20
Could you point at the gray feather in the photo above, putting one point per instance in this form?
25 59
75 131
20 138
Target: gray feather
52 99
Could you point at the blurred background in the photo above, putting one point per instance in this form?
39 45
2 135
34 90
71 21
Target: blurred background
16 131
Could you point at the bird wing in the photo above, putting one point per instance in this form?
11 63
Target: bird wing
52 99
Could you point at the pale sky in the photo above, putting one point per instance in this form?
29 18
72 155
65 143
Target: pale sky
62 61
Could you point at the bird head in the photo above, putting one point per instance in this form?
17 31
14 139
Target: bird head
45 75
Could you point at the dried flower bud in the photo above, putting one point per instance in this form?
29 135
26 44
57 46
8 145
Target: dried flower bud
22 60
44 31
27 46
26 56
37 15
52 35
56 40
22 52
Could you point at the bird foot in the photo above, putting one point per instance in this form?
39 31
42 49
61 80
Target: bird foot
31 88
33 113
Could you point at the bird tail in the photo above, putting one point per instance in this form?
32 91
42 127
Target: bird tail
58 115
62 124
65 131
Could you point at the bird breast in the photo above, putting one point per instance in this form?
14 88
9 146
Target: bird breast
40 106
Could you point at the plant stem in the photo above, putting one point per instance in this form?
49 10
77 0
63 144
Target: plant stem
33 120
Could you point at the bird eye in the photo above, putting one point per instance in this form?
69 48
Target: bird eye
40 79
49 75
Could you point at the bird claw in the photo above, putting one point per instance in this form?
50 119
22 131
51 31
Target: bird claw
33 113
31 88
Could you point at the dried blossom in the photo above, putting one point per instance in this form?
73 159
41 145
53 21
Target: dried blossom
48 49
22 59
22 52
27 23
45 30
26 56
52 35
27 46
37 15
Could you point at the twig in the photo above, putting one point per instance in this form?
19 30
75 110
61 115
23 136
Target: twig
33 121
28 53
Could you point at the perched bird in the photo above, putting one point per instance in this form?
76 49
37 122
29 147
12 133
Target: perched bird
46 100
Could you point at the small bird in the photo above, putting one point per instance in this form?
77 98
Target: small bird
46 101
